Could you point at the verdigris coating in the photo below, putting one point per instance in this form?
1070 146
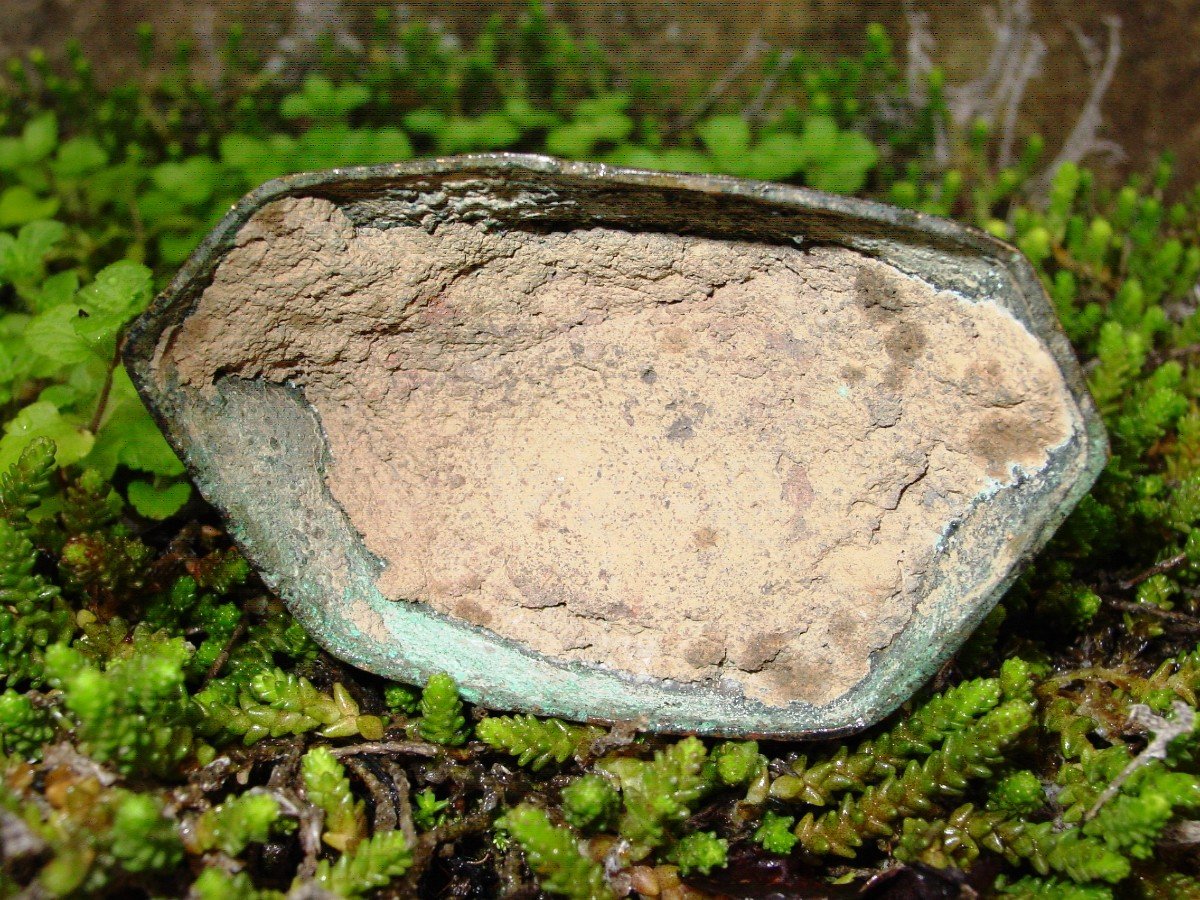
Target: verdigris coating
256 434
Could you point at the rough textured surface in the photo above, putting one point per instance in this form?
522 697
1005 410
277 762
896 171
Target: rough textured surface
678 457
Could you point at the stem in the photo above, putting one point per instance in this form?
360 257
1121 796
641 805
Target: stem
410 748
1179 620
223 657
1166 565
1162 732
754 112
106 389
754 48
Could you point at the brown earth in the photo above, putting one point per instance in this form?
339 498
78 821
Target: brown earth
1154 104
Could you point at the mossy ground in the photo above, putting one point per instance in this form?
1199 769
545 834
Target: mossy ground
166 728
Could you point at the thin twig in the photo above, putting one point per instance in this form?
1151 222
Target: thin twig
1162 731
758 105
1181 621
311 821
1180 352
1182 834
1028 69
754 48
383 796
919 52
1166 565
428 843
388 748
620 735
981 97
403 801
106 388
223 657
1083 140
17 839
64 755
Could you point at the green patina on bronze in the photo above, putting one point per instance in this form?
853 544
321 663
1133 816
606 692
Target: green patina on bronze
257 452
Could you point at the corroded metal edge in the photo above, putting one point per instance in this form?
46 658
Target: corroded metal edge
273 497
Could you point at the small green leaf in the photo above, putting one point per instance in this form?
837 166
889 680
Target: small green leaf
777 157
818 140
724 136
173 249
78 157
155 502
259 160
526 115
191 182
457 136
575 139
12 154
845 170
22 259
36 142
425 121
42 419
320 99
18 205
120 291
385 145
495 131
686 161
613 127
604 105
129 436
635 156
56 290
463 134
53 334
40 137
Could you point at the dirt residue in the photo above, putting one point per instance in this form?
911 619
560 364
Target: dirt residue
672 456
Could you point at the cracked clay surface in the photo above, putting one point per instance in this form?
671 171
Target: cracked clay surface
678 457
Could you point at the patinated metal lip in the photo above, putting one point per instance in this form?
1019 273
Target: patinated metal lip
284 520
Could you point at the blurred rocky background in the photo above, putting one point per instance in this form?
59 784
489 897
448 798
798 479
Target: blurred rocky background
1143 57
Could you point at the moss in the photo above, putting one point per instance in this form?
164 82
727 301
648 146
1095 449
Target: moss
328 788
553 854
371 865
536 742
442 712
659 793
700 851
236 823
590 801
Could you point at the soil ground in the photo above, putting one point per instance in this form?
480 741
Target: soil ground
1154 103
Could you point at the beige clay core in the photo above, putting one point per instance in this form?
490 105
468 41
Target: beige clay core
676 457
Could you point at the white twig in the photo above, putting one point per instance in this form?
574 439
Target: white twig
919 52
1028 69
64 755
1162 732
1083 140
758 105
982 97
311 19
1183 834
17 839
754 48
